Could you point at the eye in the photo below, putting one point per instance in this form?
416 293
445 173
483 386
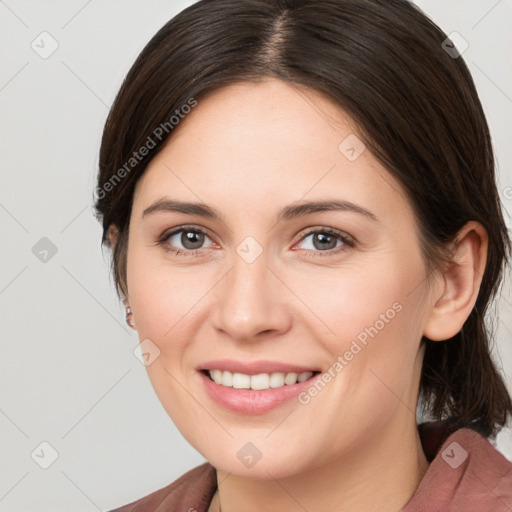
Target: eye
185 241
327 240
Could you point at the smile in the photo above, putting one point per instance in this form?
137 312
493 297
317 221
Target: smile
257 393
261 381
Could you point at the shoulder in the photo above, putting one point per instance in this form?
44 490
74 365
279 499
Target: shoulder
191 492
468 474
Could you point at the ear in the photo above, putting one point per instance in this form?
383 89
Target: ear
460 283
112 235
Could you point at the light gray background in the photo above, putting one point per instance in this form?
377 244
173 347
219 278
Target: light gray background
68 374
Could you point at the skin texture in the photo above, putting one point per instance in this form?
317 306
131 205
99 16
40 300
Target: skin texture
248 150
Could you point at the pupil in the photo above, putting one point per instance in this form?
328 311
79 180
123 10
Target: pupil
323 237
193 238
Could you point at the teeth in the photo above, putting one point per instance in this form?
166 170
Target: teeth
258 382
304 376
261 381
276 380
216 375
291 378
240 381
226 378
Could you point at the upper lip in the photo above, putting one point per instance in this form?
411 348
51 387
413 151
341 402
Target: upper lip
254 367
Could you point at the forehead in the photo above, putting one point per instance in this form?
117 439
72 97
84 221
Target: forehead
266 109
268 143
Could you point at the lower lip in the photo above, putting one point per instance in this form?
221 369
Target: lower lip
250 401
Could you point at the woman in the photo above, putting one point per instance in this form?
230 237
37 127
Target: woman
306 233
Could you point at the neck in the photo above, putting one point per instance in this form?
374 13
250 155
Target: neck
382 475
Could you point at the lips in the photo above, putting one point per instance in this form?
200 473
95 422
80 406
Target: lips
265 397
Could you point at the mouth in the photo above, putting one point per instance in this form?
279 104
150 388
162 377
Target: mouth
258 382
256 393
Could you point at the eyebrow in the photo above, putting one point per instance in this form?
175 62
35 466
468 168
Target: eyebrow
290 211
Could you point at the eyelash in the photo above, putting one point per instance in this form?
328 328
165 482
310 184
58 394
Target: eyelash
348 242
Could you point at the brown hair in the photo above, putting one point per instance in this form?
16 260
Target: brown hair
417 109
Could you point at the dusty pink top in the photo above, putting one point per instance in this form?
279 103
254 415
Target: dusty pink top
466 474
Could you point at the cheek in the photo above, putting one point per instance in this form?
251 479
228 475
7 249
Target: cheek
164 303
362 302
158 298
371 324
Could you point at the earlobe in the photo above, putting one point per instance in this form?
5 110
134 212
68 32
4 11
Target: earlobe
461 283
129 315
112 235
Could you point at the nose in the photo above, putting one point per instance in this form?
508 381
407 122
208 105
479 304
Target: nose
252 301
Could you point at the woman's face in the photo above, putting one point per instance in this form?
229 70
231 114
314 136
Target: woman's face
276 288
